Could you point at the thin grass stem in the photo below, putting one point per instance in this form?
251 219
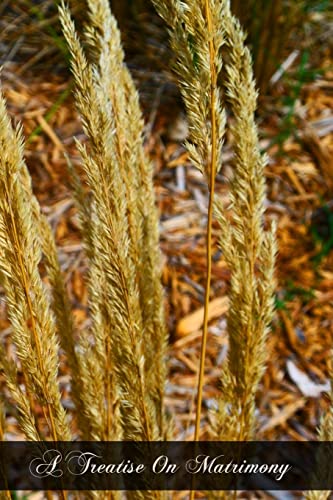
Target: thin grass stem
212 175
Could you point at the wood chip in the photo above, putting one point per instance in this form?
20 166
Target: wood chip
283 415
50 132
194 321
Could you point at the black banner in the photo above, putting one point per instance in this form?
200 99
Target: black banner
166 465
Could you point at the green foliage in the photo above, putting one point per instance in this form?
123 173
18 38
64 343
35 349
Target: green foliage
52 111
290 292
323 239
316 5
37 12
274 27
294 83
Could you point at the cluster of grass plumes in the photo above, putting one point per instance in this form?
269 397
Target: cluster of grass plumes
119 223
200 32
118 366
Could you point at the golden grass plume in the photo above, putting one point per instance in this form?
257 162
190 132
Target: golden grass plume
198 31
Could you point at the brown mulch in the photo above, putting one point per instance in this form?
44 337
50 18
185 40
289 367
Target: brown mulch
292 396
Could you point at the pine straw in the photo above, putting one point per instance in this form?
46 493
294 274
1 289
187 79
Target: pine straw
303 325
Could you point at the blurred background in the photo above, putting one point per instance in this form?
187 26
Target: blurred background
291 42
